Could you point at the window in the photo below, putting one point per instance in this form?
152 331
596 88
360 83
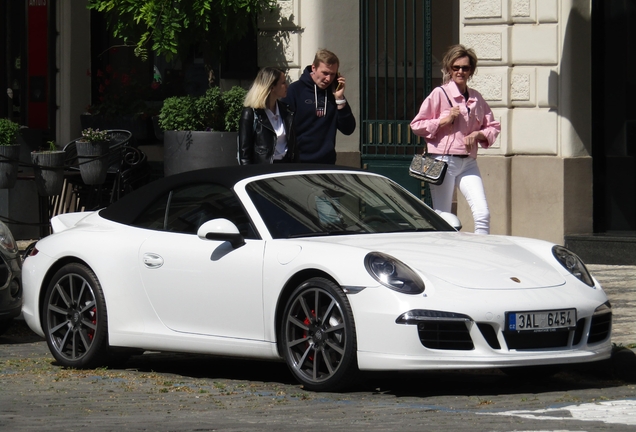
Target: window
185 209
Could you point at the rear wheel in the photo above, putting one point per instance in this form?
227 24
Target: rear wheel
318 337
74 318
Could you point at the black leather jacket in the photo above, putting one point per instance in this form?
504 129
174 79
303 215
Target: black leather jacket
257 138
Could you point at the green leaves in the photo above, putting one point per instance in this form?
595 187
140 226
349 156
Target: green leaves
170 26
233 103
212 111
8 132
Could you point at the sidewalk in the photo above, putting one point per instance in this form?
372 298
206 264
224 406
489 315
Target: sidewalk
619 282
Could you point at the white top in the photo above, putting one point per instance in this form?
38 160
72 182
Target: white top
279 128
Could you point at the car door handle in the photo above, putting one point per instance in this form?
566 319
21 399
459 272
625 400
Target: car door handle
152 260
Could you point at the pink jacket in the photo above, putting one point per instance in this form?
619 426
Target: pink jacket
450 138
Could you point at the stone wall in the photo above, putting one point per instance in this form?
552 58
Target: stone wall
527 62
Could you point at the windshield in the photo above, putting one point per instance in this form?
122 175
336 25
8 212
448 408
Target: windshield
337 204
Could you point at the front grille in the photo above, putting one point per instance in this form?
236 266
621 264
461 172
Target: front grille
600 328
540 340
445 335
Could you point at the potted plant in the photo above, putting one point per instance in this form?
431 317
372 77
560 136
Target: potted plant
92 155
48 169
9 153
201 132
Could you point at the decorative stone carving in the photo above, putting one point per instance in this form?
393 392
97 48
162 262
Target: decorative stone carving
482 9
520 87
284 15
490 86
486 45
278 48
520 8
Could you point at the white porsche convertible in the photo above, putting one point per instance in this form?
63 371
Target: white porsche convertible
332 269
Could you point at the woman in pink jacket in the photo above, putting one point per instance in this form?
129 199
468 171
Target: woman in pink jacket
454 119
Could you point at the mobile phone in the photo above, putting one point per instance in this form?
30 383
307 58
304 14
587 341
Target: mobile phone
338 84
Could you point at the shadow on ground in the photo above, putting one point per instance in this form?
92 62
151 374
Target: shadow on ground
614 372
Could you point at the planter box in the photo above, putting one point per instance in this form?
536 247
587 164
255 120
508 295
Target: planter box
93 161
10 155
48 172
192 150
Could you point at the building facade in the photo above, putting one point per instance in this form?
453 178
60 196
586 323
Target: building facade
564 162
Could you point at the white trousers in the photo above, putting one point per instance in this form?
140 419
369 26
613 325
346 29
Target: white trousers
463 173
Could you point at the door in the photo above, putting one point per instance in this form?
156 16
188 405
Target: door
396 77
197 285
204 286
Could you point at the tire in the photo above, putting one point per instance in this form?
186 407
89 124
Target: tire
74 318
318 336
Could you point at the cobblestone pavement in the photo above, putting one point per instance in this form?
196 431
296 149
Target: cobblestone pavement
619 282
180 392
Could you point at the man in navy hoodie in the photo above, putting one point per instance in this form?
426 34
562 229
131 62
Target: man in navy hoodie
320 107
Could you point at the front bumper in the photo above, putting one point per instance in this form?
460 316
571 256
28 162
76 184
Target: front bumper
467 330
10 287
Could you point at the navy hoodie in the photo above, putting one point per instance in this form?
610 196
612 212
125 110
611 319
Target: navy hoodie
316 136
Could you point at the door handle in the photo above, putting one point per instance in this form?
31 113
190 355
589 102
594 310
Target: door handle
152 260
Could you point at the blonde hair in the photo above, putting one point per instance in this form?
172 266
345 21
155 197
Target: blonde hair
326 57
452 54
258 93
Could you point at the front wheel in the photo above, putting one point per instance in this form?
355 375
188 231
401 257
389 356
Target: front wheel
318 336
74 318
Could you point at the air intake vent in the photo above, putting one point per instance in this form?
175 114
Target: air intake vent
445 335
489 333
600 328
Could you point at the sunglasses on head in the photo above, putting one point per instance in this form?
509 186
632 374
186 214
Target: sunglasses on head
463 68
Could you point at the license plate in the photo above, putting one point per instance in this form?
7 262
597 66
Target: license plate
541 321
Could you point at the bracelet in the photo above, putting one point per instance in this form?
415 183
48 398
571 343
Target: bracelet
341 101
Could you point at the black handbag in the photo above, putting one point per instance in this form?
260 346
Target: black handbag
428 169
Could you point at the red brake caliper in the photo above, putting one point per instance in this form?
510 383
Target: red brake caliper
91 332
307 322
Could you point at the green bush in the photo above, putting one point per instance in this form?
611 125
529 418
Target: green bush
179 113
210 109
214 110
8 132
233 105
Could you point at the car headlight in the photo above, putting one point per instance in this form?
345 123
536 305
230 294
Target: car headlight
573 264
393 273
6 239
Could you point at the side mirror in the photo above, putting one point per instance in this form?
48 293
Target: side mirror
451 219
221 230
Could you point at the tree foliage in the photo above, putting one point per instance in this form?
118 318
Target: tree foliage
170 27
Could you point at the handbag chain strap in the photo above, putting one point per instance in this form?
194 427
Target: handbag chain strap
451 104
447 98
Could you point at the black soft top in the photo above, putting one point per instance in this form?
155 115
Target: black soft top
126 209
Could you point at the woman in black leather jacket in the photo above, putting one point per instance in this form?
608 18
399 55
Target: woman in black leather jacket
265 129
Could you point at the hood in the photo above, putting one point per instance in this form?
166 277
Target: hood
462 259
